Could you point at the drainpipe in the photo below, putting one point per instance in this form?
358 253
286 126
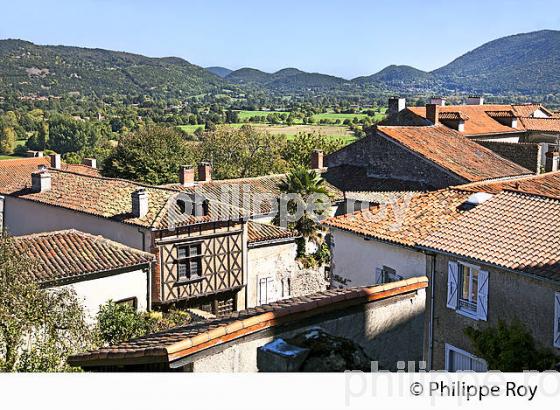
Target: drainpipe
432 299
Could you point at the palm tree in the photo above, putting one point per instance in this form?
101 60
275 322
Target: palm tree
310 195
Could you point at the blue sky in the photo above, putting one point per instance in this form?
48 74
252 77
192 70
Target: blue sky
345 38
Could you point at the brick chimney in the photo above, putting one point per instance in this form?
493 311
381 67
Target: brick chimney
432 113
317 158
140 204
396 104
475 100
186 175
55 161
90 162
204 172
41 180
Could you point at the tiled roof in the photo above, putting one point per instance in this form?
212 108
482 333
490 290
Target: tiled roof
181 342
55 256
479 122
527 110
453 116
547 184
451 150
407 220
501 114
260 232
81 169
255 194
376 197
111 198
511 230
541 124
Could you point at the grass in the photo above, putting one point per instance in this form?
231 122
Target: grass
244 115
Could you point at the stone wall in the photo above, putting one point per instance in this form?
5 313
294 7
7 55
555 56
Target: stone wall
527 155
510 296
389 331
384 158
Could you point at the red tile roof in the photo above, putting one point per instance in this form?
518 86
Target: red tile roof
111 198
15 174
511 230
547 184
69 255
451 150
407 220
181 342
542 124
260 233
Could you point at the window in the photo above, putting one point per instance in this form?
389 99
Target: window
286 287
189 262
133 301
468 287
467 290
265 290
457 360
386 275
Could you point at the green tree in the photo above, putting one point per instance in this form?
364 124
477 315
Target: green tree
242 152
8 139
150 155
298 150
67 134
510 348
38 328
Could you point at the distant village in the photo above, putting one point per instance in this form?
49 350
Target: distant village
441 223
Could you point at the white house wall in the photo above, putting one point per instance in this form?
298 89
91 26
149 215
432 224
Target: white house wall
355 259
95 292
22 217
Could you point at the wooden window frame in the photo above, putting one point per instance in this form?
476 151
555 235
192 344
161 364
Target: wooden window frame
186 260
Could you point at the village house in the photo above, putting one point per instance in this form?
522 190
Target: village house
95 268
523 133
498 262
385 321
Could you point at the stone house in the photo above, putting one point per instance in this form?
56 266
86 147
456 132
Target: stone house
427 157
386 321
95 268
499 261
523 133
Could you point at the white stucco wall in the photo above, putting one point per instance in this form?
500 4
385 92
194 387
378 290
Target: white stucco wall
356 259
274 261
22 217
95 292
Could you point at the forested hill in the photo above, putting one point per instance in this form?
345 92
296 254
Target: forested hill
58 70
527 63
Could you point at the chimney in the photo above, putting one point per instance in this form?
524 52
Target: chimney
55 161
186 175
204 172
90 162
513 122
396 105
475 100
139 203
432 113
317 159
552 161
438 101
41 180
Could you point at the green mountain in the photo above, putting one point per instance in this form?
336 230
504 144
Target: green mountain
526 63
396 74
285 80
219 71
30 69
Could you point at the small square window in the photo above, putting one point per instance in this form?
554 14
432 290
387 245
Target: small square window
189 262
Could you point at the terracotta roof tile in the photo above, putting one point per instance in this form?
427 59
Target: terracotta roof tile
547 184
407 220
451 150
183 341
512 230
260 232
67 254
541 124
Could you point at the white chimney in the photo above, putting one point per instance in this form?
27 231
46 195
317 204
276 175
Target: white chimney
41 180
438 101
90 162
475 100
55 161
396 104
140 203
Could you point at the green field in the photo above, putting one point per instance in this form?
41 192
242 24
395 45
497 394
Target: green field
244 115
